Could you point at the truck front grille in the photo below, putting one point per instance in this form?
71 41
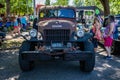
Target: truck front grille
56 35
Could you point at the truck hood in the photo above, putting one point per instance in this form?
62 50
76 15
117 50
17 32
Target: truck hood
56 24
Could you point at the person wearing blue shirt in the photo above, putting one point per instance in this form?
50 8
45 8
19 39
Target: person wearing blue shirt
16 27
24 22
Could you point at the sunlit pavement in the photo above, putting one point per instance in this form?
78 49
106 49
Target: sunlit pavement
10 36
58 70
16 38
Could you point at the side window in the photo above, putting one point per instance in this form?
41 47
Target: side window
50 13
47 13
41 14
67 13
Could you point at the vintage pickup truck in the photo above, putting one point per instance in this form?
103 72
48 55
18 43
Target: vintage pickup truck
55 37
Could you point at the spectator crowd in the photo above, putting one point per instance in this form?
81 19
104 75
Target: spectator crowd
15 24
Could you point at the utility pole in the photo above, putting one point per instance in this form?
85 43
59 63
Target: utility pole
83 2
27 6
34 6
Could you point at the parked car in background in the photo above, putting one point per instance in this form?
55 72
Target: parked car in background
86 14
116 43
117 31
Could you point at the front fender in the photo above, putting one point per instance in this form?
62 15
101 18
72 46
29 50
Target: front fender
86 36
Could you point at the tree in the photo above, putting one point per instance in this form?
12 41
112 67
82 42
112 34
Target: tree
76 2
79 2
21 6
106 6
16 6
7 7
2 9
47 2
1 6
115 9
61 2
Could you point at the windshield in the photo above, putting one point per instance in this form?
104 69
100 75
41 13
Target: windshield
57 13
117 20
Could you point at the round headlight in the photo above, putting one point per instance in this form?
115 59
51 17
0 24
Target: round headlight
118 28
119 34
80 33
33 33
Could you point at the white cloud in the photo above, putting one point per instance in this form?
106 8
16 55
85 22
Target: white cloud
43 1
71 2
52 1
40 1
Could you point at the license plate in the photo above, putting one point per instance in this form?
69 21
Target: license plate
57 45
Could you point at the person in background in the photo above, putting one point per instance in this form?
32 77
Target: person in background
0 19
24 23
108 35
8 23
31 17
19 23
1 23
16 27
28 21
96 33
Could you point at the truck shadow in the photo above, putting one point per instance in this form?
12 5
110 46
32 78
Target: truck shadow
58 70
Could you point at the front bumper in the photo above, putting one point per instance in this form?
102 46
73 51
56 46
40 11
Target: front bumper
67 56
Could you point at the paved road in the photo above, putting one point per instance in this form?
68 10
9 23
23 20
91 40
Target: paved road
58 70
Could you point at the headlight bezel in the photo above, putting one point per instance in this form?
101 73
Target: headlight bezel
118 28
33 33
118 34
80 33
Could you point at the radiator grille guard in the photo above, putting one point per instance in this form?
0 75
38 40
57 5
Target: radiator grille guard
56 35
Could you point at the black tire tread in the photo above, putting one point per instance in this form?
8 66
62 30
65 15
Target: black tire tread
24 64
88 65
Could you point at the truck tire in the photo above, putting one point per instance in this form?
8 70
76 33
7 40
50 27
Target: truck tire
25 65
0 43
116 47
88 65
112 48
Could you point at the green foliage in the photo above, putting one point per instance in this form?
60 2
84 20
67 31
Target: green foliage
47 2
2 9
114 5
21 6
18 6
61 2
76 2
